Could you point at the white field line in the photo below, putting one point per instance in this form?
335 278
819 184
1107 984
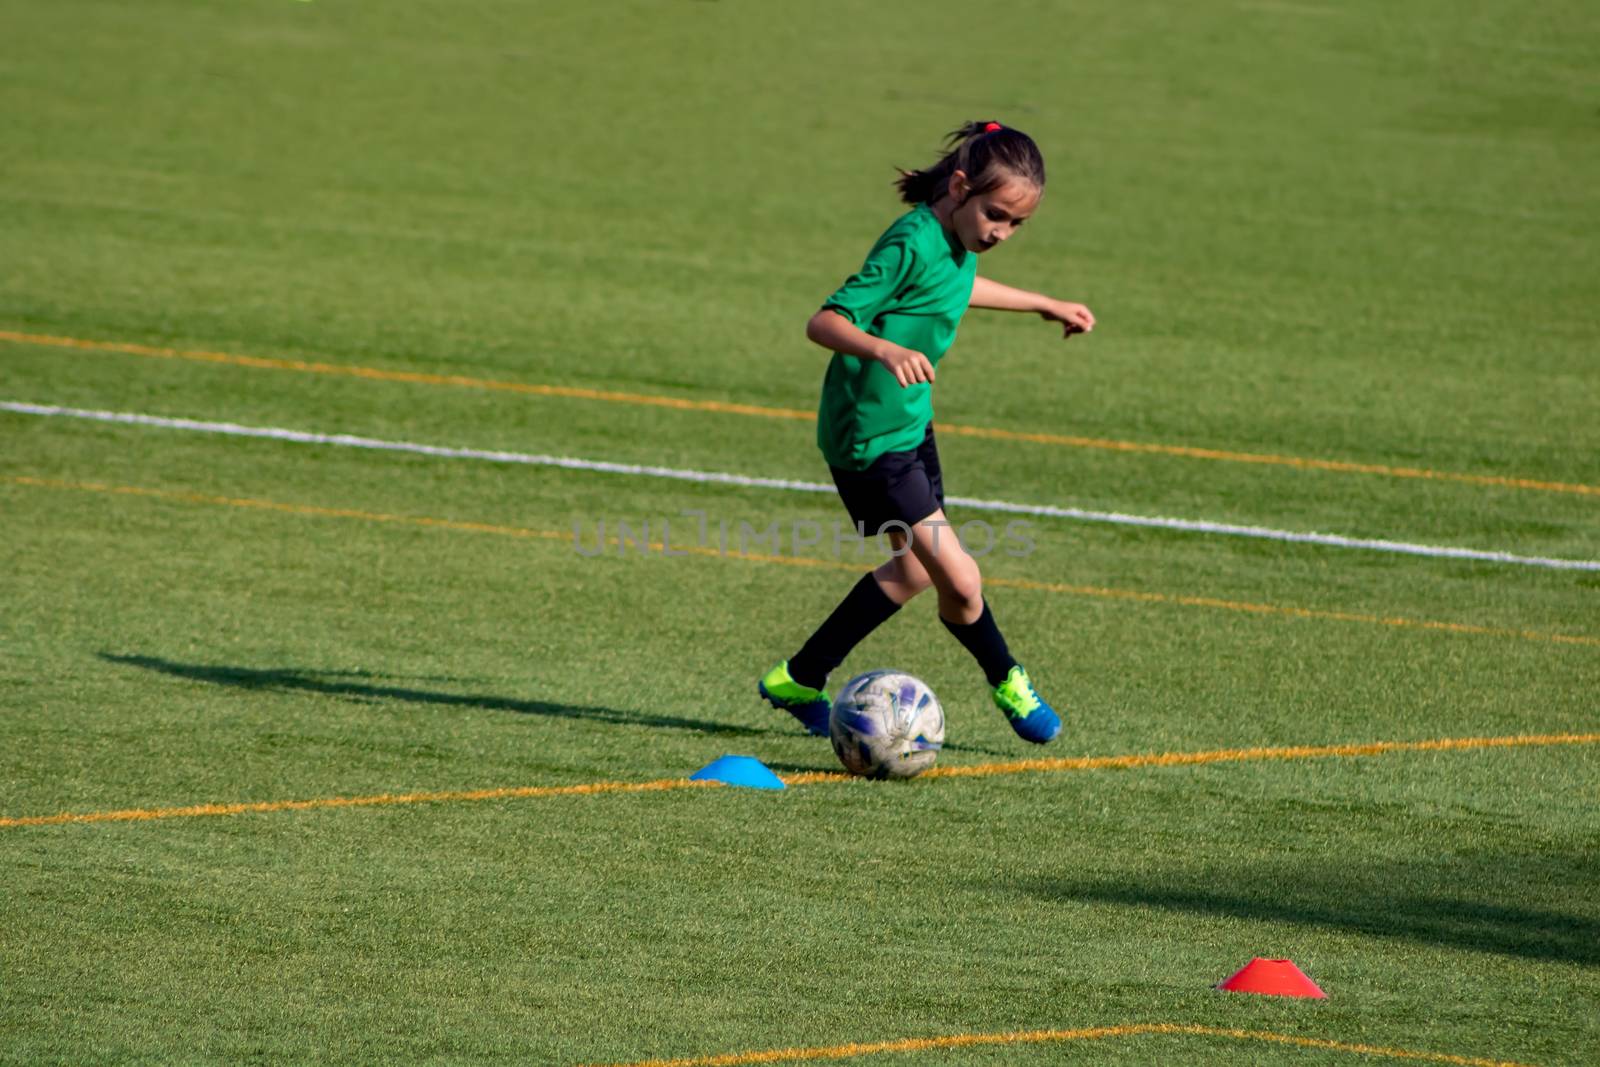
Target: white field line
747 481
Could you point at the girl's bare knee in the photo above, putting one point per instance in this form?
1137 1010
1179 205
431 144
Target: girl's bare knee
964 592
972 600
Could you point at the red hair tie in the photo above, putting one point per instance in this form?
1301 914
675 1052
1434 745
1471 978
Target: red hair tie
991 127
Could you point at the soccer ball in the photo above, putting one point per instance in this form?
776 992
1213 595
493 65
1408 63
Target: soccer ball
886 724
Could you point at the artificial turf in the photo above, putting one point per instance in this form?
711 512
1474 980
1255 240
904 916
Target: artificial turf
1361 233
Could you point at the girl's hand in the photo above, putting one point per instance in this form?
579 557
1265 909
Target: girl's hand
1074 318
908 366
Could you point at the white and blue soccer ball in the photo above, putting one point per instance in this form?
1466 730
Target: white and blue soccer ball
886 724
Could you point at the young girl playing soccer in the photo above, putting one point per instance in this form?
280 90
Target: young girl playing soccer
887 326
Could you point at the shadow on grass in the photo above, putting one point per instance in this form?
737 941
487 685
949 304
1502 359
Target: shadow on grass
343 684
827 762
1429 904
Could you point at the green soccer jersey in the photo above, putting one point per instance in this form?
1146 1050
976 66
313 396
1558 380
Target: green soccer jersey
912 290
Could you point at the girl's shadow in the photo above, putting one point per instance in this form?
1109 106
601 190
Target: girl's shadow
348 685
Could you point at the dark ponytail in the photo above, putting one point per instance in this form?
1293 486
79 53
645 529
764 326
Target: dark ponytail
986 152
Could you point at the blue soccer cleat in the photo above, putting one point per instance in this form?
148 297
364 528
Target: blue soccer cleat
1029 716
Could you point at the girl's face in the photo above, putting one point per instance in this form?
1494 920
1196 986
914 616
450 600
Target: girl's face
983 220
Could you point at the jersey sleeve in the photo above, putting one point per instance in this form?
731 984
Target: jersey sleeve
890 266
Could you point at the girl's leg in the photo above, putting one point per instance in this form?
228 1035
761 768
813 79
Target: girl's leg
875 598
896 483
966 615
902 576
795 685
962 609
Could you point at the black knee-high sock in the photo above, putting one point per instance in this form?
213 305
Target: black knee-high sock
862 611
982 638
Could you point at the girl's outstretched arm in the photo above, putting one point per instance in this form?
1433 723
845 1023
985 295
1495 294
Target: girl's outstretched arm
1074 318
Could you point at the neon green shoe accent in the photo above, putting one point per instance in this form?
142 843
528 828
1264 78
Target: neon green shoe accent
809 705
1015 695
780 685
1031 718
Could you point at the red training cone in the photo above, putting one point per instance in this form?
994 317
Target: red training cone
1275 978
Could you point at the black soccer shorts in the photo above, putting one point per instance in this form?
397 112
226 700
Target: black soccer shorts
898 487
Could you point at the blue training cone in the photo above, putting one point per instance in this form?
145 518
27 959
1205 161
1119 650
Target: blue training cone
739 770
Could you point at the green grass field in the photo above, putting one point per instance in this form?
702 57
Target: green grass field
1362 234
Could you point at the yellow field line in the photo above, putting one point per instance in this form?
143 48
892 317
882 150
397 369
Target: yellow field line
345 370
1036 1037
380 800
1271 459
1226 755
983 770
1246 755
761 411
1096 592
1290 612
